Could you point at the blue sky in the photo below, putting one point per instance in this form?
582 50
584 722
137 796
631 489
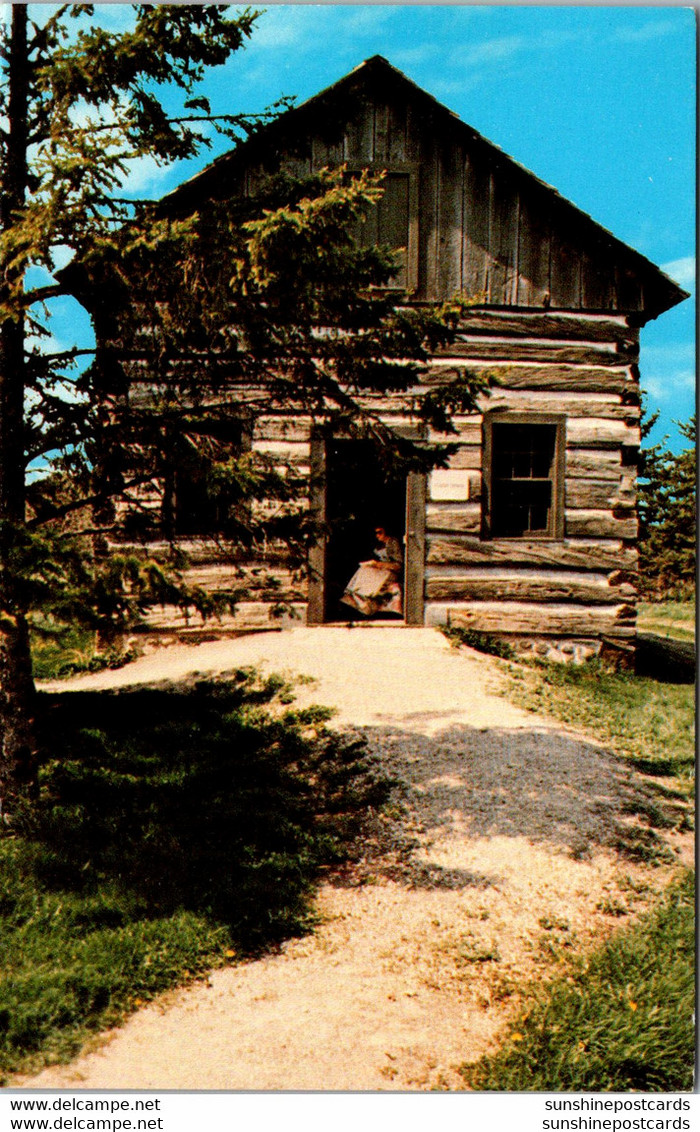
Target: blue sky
598 101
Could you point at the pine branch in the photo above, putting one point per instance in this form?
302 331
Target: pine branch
51 514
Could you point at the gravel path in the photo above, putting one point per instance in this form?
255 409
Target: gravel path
518 828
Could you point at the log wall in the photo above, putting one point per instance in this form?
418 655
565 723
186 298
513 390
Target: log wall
576 588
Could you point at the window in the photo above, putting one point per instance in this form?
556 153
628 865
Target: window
393 223
523 476
197 503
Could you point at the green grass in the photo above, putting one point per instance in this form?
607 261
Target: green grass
648 722
482 642
64 650
621 1020
61 651
177 829
675 619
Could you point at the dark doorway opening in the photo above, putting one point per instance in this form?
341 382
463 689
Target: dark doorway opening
360 496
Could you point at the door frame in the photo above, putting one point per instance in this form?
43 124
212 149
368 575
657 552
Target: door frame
414 538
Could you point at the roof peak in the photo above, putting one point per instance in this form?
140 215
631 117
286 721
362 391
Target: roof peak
187 193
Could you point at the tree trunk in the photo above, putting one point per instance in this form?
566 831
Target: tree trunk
17 697
18 752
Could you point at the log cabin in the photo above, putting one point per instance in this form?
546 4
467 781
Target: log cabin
530 532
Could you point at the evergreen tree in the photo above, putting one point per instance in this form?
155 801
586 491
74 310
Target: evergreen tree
250 304
667 514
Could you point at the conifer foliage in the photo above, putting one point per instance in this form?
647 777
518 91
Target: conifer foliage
667 513
271 293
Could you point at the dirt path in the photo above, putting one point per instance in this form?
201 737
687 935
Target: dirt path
408 974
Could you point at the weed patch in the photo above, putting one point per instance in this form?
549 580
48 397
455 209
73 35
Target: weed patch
482 642
64 650
621 1021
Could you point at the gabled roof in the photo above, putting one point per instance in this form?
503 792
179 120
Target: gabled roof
660 292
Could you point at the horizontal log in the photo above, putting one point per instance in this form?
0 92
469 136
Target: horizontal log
584 379
453 517
469 588
283 452
289 428
131 502
598 432
403 423
547 620
263 510
407 401
467 457
468 432
577 554
605 494
540 350
601 524
592 463
601 465
203 552
279 584
598 405
590 328
248 615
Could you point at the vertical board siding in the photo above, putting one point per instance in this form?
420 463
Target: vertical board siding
503 241
326 155
428 178
597 281
565 273
449 222
628 289
534 254
477 181
359 137
485 230
381 133
396 134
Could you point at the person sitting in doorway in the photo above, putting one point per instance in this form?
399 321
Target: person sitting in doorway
375 587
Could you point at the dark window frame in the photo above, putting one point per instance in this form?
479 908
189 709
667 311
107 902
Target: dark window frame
410 171
233 433
556 526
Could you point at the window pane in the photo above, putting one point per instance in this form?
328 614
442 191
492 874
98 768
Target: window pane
522 479
521 507
196 506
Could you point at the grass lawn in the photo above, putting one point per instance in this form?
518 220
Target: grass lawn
646 721
64 650
675 619
177 830
621 1020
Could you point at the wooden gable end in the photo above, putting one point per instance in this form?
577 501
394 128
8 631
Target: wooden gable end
480 224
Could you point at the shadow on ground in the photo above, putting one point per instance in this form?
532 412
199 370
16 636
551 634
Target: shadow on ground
210 796
199 796
543 785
